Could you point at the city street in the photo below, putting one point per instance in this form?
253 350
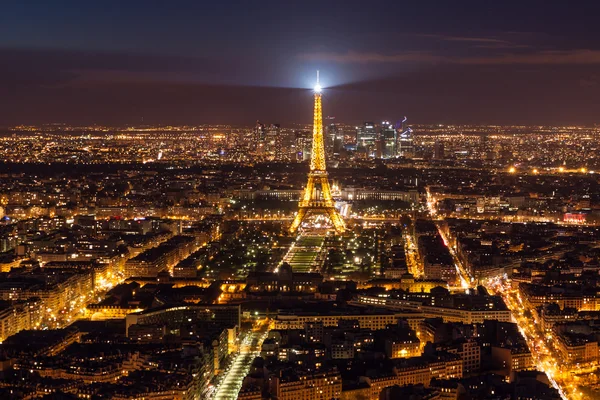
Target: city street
414 265
545 358
232 379
542 348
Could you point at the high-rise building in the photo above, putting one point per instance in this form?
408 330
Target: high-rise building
334 139
259 133
303 145
366 135
287 144
269 141
405 141
273 140
386 142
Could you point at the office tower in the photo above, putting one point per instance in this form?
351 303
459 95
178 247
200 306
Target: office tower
386 141
406 144
259 133
334 139
269 141
273 140
366 135
287 144
405 141
303 145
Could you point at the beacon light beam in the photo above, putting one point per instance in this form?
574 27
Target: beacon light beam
318 87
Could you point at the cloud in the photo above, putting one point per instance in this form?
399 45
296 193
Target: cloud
476 41
499 45
550 57
462 38
371 57
52 67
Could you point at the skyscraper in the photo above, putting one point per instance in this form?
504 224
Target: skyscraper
387 140
269 141
303 145
259 135
366 135
287 142
273 140
405 141
334 139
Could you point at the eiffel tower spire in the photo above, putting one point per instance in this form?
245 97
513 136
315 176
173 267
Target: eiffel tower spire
311 201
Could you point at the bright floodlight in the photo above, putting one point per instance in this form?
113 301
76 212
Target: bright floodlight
318 86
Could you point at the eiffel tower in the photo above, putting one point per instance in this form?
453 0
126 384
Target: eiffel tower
311 202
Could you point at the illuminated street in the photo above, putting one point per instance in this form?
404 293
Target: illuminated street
231 382
414 265
545 358
465 279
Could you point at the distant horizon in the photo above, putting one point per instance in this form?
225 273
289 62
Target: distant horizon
290 125
280 105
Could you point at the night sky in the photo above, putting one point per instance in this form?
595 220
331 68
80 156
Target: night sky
180 62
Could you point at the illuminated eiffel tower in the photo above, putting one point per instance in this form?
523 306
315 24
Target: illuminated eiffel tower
312 202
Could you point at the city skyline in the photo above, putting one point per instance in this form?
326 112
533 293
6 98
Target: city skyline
174 226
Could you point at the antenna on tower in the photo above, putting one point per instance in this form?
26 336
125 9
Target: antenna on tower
318 86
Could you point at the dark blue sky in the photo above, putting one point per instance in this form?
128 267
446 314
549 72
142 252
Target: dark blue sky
181 62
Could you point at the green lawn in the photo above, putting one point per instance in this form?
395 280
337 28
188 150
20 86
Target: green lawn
304 254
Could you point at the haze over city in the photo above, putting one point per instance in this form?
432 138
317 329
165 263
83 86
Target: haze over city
114 62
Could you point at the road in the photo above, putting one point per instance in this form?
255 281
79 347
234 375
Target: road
545 356
414 265
542 348
546 359
231 383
